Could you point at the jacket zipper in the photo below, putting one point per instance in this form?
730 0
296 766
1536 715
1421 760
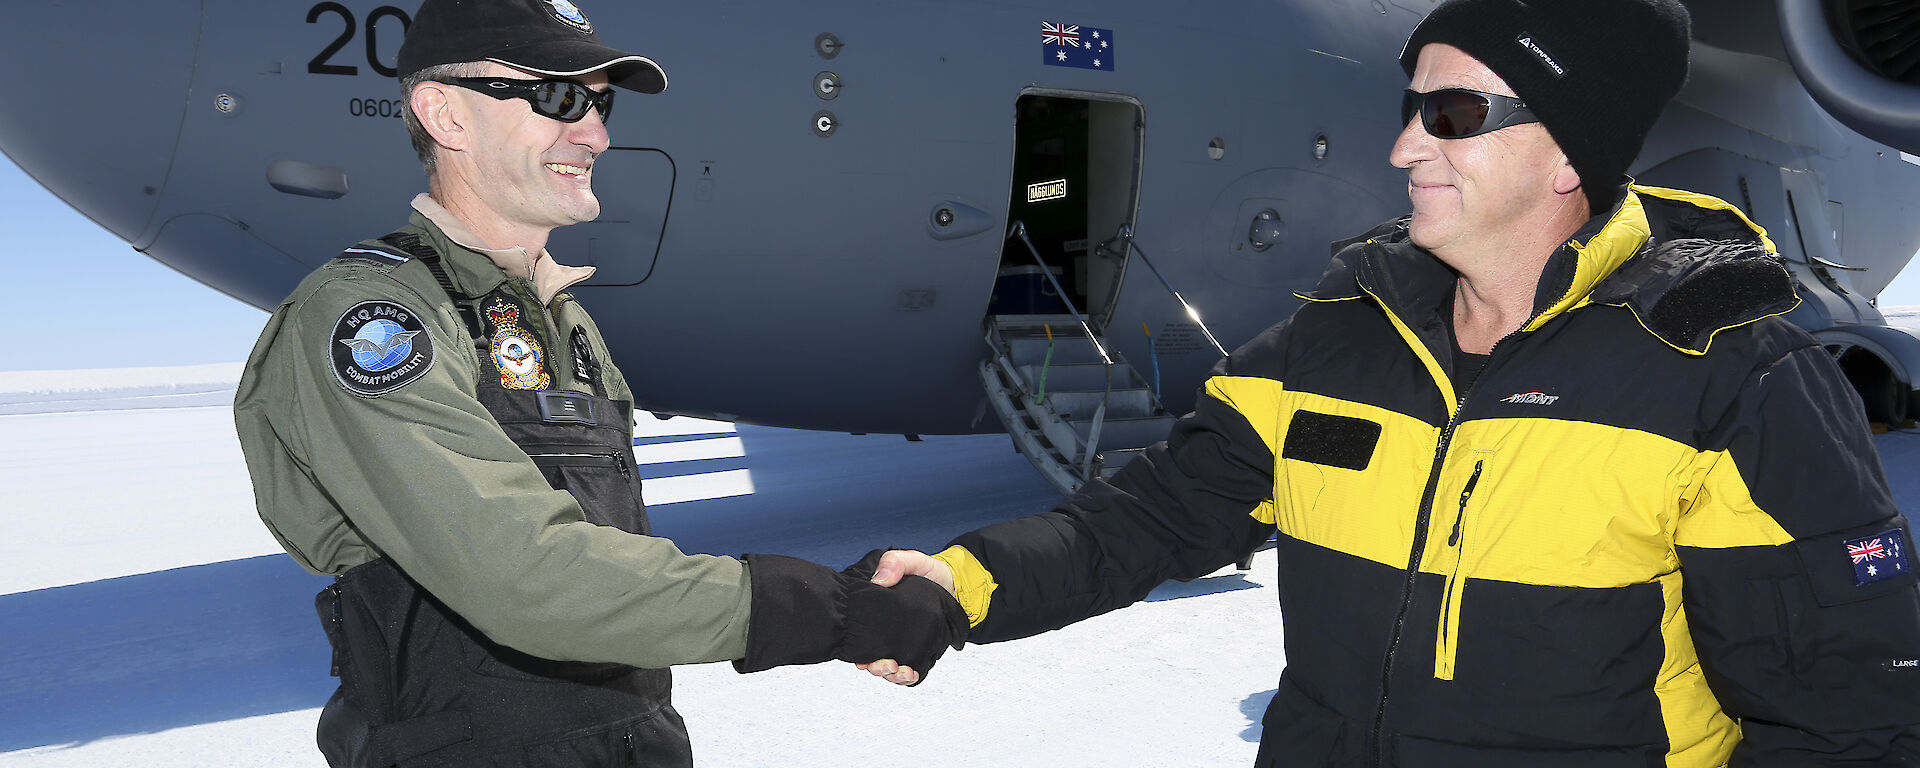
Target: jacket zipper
1421 522
1447 649
552 341
1465 494
597 459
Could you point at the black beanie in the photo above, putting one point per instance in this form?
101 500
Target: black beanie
1596 72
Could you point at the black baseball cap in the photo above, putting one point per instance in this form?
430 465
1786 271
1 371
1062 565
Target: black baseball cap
547 37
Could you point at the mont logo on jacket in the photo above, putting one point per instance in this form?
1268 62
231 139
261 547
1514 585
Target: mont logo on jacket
1530 397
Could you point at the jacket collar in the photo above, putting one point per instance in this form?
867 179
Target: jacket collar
549 277
1706 268
1687 265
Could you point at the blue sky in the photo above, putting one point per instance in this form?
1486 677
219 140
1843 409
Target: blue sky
88 300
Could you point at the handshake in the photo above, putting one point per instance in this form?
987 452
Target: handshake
893 614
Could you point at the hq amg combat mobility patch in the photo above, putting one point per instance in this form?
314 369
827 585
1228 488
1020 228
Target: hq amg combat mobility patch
378 347
1878 557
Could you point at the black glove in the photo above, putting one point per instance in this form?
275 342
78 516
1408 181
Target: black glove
804 613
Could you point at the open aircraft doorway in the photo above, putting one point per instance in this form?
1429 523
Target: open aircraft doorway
1076 180
1073 405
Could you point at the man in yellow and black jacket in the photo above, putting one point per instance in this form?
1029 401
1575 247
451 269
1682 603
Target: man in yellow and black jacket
1553 484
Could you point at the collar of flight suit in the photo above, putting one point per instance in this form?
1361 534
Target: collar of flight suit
549 277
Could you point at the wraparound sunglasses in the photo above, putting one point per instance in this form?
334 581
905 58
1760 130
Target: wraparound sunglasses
562 100
1456 113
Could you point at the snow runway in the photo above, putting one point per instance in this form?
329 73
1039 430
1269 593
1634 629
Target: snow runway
152 621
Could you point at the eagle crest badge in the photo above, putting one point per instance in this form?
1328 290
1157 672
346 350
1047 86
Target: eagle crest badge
516 352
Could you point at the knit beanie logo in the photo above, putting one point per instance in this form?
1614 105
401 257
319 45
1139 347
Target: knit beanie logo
1526 41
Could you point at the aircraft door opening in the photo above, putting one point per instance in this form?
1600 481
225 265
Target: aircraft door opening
1076 170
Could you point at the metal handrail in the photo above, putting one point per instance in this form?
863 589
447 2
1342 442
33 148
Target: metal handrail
1126 235
1019 229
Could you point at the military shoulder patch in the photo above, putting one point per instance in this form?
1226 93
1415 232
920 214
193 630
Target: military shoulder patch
378 347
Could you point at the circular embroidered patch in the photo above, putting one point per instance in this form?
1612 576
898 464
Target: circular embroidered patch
569 14
378 347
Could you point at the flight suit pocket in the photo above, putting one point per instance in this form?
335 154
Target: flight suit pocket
360 655
605 485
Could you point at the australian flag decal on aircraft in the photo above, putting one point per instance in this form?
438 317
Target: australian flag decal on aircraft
1072 45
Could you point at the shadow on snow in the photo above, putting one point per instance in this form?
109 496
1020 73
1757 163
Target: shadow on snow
235 639
160 650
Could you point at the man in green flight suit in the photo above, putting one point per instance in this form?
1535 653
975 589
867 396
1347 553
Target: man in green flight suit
434 420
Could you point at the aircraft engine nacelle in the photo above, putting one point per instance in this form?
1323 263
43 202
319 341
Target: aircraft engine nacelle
1881 362
1856 60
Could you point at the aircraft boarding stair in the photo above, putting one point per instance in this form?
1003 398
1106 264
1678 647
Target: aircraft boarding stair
1075 408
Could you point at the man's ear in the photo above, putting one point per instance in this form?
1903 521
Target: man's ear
1565 178
442 115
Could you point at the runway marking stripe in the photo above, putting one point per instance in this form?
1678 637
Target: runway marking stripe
711 485
690 450
688 459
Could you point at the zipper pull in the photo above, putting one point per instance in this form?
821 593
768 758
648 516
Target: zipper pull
1465 493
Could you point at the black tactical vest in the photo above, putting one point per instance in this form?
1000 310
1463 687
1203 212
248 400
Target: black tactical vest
421 687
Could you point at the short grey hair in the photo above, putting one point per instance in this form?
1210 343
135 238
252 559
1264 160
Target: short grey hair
423 143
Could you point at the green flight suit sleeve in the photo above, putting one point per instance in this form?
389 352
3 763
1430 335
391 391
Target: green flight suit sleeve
424 475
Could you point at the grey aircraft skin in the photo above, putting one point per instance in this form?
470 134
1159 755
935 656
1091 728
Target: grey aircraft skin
807 228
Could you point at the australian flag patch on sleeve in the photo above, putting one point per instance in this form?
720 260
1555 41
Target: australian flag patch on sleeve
1879 557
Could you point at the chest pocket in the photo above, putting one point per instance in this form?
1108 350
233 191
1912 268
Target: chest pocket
604 484
582 443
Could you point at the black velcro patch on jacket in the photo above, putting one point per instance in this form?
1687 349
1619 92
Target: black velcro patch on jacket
1335 441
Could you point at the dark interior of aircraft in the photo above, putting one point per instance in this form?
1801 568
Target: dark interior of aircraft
1075 172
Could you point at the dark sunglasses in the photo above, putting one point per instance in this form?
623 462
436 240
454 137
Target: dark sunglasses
562 100
1456 113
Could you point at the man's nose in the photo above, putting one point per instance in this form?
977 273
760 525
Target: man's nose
590 131
1412 145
